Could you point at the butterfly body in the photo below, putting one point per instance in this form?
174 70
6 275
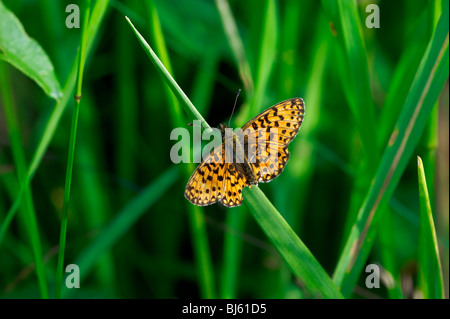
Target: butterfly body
240 158
258 154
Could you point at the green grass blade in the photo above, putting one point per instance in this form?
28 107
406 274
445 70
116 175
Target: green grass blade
167 76
401 81
161 48
389 257
299 173
123 221
267 53
24 53
235 220
71 155
430 140
427 85
352 63
349 34
290 34
98 13
127 109
430 275
430 271
29 220
302 263
236 45
90 187
196 215
232 251
202 252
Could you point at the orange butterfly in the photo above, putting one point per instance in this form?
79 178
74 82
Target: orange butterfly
216 180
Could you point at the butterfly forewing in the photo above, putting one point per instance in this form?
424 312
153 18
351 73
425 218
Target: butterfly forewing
277 127
206 185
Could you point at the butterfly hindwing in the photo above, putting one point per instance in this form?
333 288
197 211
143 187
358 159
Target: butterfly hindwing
234 183
206 185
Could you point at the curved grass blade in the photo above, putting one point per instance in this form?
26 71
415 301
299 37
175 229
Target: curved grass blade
427 85
24 53
430 271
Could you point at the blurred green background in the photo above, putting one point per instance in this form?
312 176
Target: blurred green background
130 229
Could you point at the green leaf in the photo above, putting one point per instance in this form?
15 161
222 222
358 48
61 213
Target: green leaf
430 272
24 53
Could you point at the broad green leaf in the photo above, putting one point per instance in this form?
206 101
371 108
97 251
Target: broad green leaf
24 53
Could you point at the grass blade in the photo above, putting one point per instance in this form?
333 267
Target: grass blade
29 220
123 221
98 13
196 215
302 263
430 272
237 47
71 155
266 59
427 85
349 34
168 77
235 220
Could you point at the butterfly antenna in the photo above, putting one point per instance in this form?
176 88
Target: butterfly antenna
235 101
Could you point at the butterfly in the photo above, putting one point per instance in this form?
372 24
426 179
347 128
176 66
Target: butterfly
264 150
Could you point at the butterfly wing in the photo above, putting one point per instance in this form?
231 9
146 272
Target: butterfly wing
206 185
234 183
276 127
